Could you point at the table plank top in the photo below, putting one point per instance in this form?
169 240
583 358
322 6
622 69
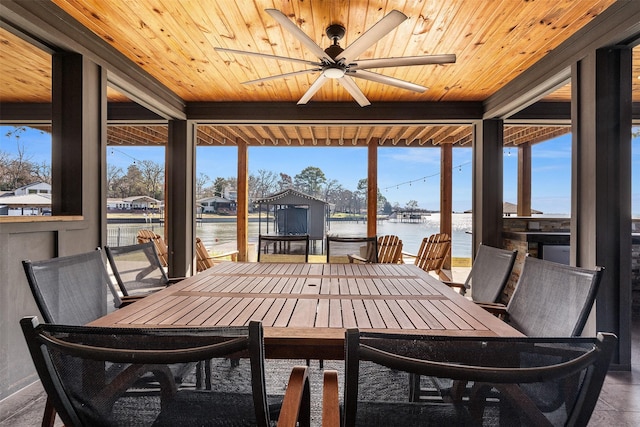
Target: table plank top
305 308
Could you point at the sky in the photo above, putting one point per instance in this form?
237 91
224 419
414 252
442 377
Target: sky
404 173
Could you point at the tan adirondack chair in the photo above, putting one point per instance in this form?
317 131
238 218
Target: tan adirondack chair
433 252
205 260
389 249
161 246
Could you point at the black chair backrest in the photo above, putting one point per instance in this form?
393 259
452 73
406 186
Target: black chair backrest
339 249
136 268
515 381
91 374
553 299
286 248
490 273
71 289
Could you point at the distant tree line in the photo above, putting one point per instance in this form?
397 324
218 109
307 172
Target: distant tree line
146 177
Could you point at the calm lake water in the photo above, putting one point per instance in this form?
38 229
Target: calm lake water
221 236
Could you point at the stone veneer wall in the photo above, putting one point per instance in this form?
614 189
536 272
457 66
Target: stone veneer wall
521 224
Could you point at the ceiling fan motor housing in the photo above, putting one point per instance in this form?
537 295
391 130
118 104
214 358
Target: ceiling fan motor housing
335 32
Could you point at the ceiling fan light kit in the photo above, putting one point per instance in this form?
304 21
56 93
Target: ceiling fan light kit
340 64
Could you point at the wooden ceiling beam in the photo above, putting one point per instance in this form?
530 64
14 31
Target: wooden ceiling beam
314 141
369 136
223 133
400 135
299 135
253 134
333 112
356 136
283 134
417 135
270 135
208 136
239 134
385 136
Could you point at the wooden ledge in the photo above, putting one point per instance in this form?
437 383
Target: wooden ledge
38 218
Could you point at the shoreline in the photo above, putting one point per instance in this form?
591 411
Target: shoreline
216 231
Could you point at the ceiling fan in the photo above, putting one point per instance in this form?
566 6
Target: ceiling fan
341 64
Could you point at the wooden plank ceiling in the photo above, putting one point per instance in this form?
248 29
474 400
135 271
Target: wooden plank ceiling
174 41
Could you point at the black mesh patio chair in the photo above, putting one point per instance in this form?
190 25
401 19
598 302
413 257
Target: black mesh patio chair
551 299
289 248
512 379
75 366
346 249
137 269
70 290
489 274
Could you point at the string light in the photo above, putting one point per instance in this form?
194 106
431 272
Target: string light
424 178
124 154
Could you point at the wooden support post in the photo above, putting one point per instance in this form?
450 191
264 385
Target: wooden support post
524 179
446 194
372 189
243 202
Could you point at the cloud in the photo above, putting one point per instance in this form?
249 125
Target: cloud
430 156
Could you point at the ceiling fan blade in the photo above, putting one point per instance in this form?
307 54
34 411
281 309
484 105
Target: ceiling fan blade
299 34
392 81
313 89
354 90
266 55
372 35
281 76
403 61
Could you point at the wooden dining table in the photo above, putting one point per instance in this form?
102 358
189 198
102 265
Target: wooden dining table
305 308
